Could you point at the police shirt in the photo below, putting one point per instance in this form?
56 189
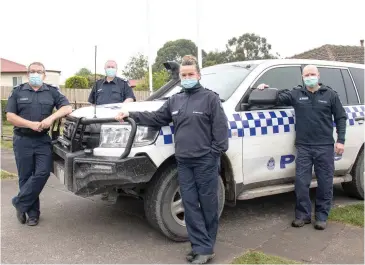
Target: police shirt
33 105
313 114
200 124
115 91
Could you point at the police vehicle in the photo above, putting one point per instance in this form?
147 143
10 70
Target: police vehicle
94 154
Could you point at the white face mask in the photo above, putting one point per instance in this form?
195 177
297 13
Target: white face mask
35 79
110 72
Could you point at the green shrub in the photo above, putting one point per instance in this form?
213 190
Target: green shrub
159 79
91 79
77 82
3 106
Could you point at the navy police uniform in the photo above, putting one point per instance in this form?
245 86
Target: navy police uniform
32 149
315 145
201 136
115 91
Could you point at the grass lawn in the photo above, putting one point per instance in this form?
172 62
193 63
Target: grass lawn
257 257
7 130
351 214
7 175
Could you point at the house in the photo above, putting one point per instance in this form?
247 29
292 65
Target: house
13 74
341 53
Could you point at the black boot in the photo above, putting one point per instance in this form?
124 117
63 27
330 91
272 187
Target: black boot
320 225
202 259
300 223
20 215
190 256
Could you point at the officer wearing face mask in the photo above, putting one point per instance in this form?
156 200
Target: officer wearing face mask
316 107
29 109
112 89
201 136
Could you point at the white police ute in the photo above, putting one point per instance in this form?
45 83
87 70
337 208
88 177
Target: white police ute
94 154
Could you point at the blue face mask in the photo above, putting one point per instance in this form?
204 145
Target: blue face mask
189 83
110 72
311 81
35 80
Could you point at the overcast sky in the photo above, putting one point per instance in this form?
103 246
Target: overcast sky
62 34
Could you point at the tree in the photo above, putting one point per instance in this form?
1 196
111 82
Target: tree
158 80
76 82
136 68
174 51
83 72
91 79
248 46
216 57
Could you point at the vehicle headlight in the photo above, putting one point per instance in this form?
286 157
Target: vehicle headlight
116 136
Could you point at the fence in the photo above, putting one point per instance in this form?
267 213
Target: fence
78 95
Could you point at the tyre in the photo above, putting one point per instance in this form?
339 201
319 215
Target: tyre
355 188
163 206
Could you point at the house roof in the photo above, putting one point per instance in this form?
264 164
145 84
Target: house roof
341 53
12 67
132 82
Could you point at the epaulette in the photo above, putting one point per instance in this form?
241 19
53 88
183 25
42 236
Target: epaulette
52 86
15 88
298 87
212 91
19 86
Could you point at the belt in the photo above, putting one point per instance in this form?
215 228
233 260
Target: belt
30 134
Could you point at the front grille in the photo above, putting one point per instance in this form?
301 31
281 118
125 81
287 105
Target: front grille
91 134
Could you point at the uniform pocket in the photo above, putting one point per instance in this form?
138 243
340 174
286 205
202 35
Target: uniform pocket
117 95
24 105
47 107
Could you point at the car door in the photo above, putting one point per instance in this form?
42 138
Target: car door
268 141
340 80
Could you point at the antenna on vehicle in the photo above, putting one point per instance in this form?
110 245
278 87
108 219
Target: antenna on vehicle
95 85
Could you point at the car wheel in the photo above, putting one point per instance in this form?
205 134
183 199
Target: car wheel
163 205
355 188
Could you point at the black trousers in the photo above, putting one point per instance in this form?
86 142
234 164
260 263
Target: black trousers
322 158
33 156
198 180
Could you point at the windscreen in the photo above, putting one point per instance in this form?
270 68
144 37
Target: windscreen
222 79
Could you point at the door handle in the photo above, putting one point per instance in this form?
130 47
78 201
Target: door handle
359 118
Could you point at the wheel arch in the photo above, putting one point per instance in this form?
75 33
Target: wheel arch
226 174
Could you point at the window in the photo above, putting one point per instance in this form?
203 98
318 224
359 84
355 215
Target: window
17 80
286 77
350 88
332 77
222 79
358 76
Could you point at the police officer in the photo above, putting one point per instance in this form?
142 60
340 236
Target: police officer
111 89
314 106
29 109
201 136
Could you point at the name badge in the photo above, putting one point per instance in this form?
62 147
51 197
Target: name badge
174 112
322 101
23 99
303 98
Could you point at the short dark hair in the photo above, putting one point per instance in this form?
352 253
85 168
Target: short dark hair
37 63
190 60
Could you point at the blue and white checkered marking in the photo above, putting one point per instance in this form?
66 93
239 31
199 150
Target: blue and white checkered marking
354 112
261 123
252 124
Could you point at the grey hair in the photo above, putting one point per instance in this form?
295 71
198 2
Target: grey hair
111 61
190 60
37 63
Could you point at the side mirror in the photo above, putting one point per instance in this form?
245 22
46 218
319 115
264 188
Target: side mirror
268 96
